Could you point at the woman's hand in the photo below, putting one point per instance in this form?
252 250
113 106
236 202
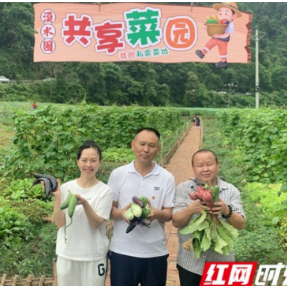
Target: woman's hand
57 192
81 200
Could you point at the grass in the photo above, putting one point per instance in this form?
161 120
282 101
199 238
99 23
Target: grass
8 106
6 135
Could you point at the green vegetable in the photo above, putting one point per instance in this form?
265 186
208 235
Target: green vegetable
64 205
71 209
138 213
146 211
208 232
129 214
211 21
136 209
206 240
143 199
230 230
215 193
72 205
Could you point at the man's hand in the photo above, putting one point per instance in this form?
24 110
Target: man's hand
197 206
124 213
154 213
220 208
162 215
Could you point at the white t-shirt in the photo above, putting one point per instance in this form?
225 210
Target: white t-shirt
85 243
159 187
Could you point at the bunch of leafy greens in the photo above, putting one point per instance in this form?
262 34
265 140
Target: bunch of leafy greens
209 232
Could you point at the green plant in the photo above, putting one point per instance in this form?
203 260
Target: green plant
14 227
53 135
34 257
261 245
260 137
121 155
20 189
261 239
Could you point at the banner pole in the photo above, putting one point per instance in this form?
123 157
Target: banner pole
256 71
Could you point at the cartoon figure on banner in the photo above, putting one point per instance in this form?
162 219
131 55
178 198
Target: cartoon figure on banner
220 28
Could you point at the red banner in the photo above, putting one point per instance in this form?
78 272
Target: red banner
228 274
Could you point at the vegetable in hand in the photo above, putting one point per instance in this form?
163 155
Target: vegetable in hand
208 195
51 184
146 211
137 201
136 209
71 209
64 205
207 231
129 214
144 200
138 213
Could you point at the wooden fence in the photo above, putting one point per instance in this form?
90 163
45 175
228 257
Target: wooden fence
30 280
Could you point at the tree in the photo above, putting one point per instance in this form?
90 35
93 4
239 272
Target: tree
92 77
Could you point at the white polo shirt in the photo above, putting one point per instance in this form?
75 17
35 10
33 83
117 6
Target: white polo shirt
159 187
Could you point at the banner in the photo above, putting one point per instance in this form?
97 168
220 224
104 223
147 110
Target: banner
141 32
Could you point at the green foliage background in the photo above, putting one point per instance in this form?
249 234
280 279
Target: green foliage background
258 138
263 238
47 140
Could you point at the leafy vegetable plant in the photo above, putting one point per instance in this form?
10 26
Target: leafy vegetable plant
207 231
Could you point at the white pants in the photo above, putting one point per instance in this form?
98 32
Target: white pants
81 273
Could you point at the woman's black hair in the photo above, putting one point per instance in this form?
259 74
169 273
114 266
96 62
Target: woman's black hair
202 151
89 144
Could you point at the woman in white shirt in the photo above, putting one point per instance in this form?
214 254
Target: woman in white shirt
82 252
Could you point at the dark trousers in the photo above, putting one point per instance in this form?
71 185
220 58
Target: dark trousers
188 278
132 271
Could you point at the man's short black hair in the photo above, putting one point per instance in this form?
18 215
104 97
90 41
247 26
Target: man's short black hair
202 151
156 132
89 144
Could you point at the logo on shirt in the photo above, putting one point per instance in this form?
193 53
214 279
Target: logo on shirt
228 274
156 188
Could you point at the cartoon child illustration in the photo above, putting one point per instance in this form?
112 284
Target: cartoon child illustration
227 13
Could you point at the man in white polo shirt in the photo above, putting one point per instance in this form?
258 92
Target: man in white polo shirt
140 256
